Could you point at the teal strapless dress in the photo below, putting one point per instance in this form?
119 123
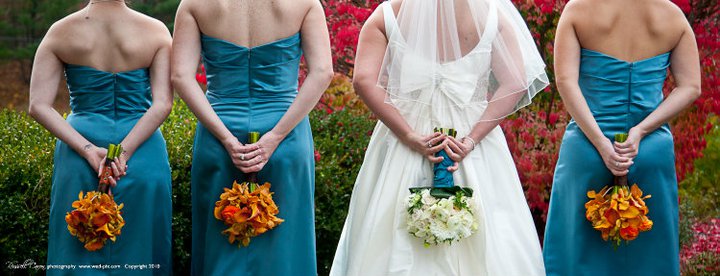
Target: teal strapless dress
105 107
250 89
620 95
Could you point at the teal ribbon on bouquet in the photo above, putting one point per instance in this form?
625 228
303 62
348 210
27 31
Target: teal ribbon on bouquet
444 178
443 182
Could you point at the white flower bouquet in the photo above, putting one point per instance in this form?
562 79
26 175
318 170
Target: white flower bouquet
437 216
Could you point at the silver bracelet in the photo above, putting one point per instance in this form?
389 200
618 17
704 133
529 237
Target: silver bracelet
471 141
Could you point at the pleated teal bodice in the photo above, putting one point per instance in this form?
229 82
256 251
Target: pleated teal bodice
620 95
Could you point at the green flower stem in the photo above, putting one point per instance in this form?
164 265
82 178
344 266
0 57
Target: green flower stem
253 137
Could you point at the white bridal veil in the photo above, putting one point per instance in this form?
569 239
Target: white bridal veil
431 38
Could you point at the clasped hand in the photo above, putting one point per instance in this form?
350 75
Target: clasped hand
96 156
433 143
618 157
250 158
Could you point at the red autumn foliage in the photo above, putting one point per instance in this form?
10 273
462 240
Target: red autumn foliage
707 241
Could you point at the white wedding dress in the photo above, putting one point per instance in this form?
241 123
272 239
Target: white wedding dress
375 240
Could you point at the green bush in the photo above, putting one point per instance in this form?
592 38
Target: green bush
341 139
25 176
26 171
179 132
700 189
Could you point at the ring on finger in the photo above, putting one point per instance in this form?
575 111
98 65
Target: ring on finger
429 145
617 164
242 156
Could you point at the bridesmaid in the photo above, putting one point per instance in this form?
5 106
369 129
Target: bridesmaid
251 51
117 66
611 59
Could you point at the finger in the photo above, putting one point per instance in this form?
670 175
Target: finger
620 159
101 168
624 150
245 156
436 140
254 168
120 167
439 147
113 182
452 154
115 171
431 136
252 162
434 159
454 140
621 145
456 146
619 172
123 161
454 167
247 148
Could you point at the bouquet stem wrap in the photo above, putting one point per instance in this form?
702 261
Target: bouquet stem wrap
443 178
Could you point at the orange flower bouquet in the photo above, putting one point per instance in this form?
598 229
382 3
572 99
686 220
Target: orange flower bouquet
247 208
618 211
96 217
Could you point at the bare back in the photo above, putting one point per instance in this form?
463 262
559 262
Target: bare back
628 30
249 23
112 38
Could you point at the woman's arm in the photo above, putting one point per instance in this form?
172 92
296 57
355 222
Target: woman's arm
47 69
184 63
161 100
372 45
316 48
567 70
685 68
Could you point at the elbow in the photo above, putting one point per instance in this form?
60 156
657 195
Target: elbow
324 75
362 84
164 107
177 79
695 91
562 82
34 110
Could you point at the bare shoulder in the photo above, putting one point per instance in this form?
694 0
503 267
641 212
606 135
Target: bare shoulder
190 6
151 25
307 4
578 9
376 20
667 11
150 30
299 7
65 30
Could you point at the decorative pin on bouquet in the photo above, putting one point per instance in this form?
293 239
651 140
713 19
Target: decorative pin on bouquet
618 211
444 212
96 217
247 208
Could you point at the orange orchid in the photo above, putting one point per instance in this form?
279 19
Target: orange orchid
248 210
618 212
96 219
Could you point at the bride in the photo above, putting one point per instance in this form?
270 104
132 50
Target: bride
462 64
